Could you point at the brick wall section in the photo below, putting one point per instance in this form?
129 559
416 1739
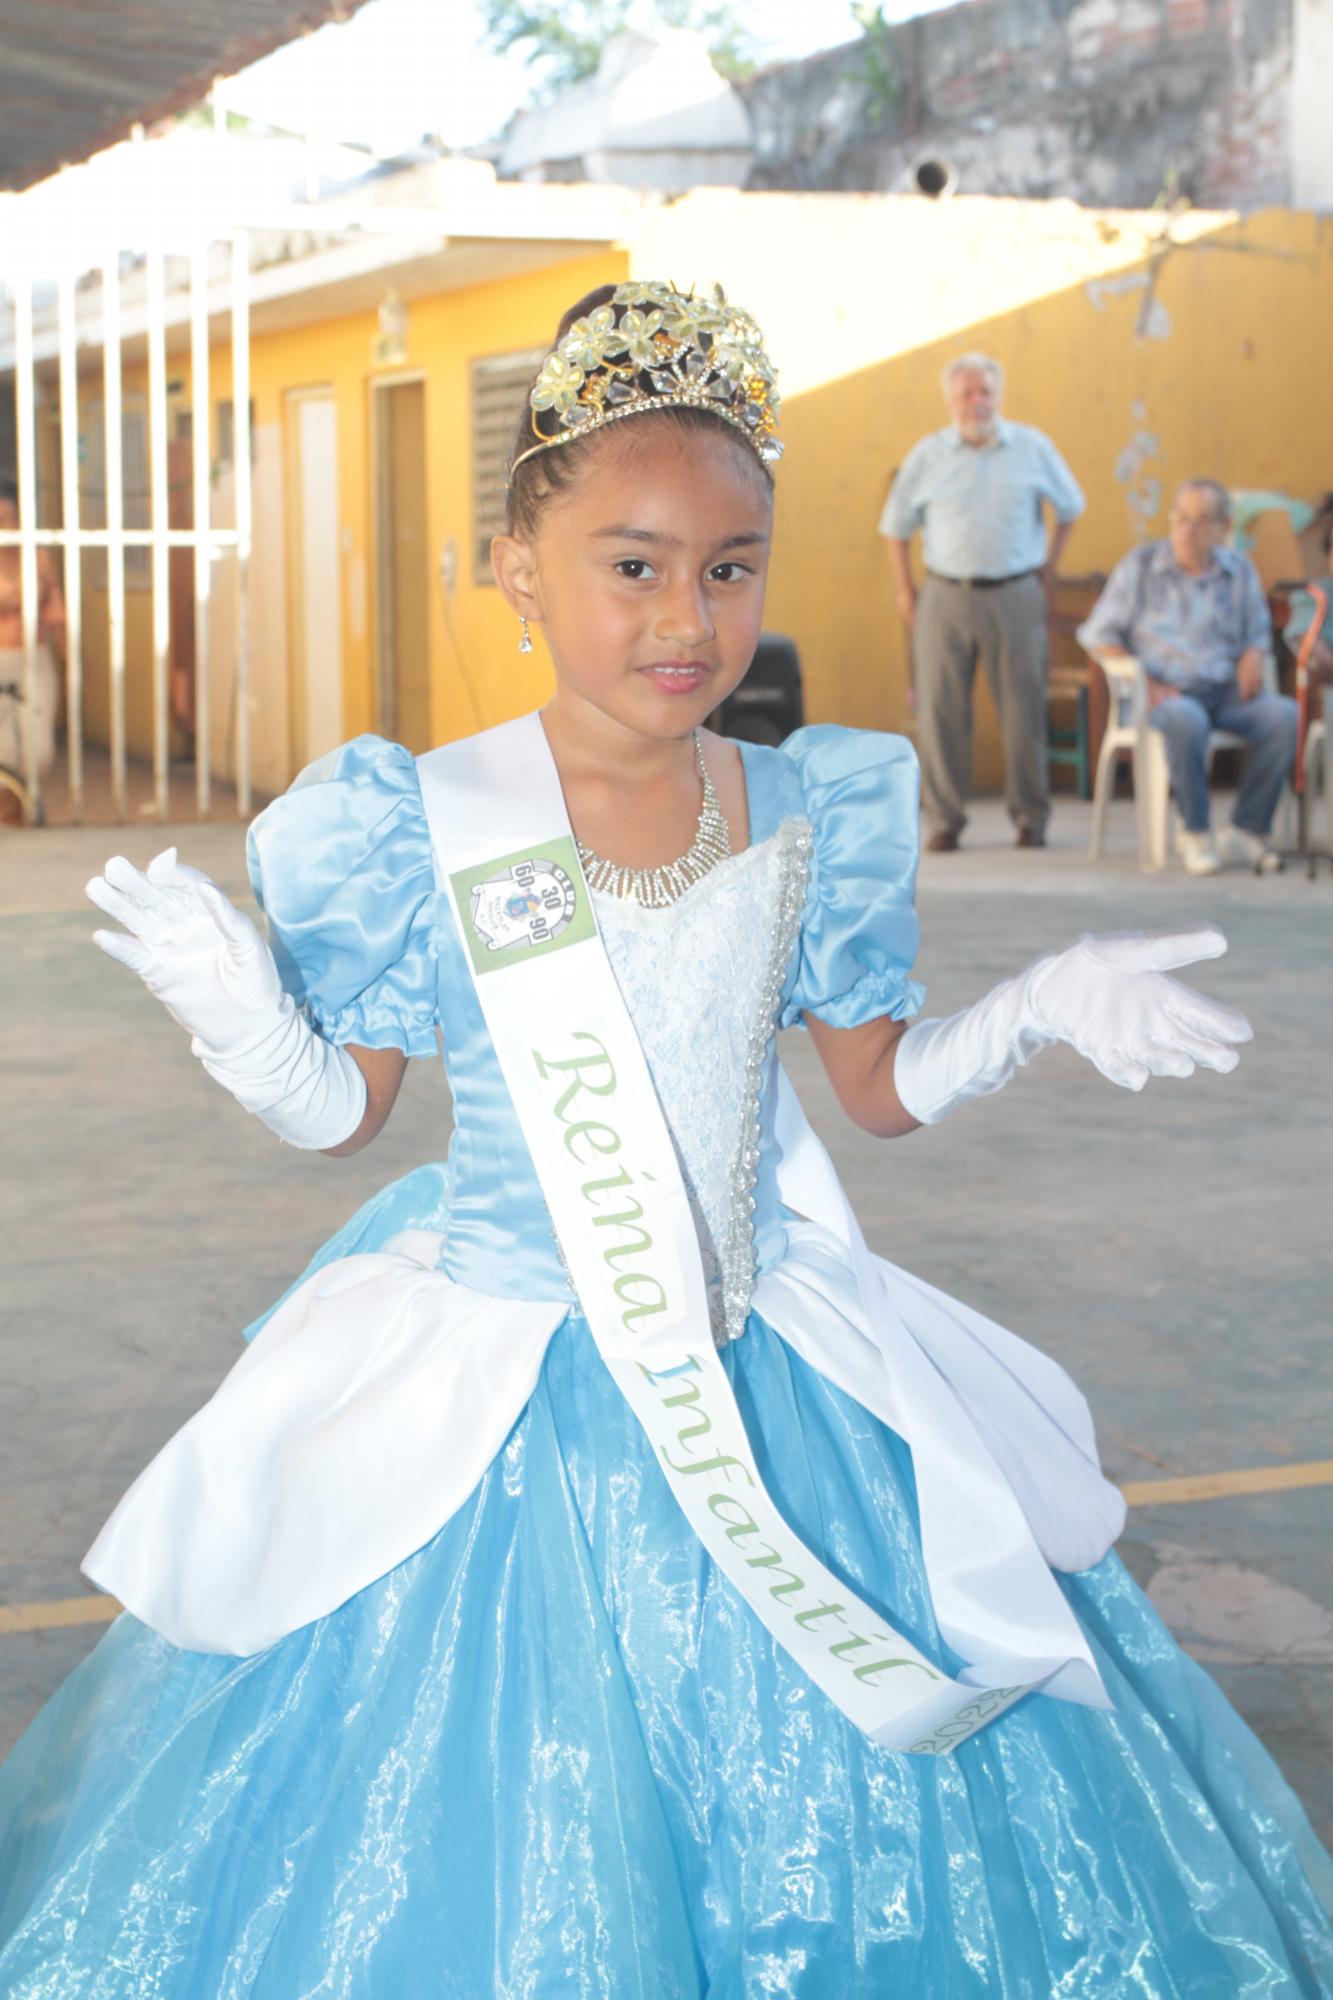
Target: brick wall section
1108 101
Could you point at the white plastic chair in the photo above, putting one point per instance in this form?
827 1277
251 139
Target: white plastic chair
1129 730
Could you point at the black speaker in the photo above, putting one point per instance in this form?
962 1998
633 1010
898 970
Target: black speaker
768 704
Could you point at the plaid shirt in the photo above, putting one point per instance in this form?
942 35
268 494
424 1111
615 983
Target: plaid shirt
1185 629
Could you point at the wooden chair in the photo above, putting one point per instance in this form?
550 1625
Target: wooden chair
1072 683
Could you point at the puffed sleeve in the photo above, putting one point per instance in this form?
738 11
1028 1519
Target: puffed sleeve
859 931
342 869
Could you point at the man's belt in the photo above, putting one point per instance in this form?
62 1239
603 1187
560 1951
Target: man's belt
981 582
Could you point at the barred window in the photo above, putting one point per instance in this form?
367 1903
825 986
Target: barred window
134 485
226 431
500 383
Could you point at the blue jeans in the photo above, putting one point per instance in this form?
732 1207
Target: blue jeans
1268 724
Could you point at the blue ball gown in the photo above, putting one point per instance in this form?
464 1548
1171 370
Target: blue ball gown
532 1746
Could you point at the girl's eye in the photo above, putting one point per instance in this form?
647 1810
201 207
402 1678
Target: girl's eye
728 572
636 568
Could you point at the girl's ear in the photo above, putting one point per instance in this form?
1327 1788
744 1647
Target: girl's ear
515 565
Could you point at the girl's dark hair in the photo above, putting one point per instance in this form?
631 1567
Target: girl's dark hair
9 491
537 481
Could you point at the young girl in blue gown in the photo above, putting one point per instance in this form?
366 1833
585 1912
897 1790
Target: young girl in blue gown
426 1689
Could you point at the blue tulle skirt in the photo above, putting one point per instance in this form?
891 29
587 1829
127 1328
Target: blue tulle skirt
554 1755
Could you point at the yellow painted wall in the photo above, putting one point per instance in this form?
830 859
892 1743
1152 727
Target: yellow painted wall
479 677
483 679
863 298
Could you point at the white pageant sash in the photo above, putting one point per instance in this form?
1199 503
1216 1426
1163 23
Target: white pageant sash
608 1169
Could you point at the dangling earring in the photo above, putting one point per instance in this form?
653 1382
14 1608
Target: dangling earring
524 637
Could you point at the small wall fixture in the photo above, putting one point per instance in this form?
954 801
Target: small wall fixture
935 178
389 347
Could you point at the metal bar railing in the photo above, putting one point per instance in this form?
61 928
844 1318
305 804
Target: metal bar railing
25 386
73 577
158 519
115 525
240 389
115 314
100 538
201 405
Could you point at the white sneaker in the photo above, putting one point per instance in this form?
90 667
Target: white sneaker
1198 853
1247 850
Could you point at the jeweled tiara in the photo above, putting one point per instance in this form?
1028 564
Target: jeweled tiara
655 348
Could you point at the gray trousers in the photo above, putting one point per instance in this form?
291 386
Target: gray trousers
1006 629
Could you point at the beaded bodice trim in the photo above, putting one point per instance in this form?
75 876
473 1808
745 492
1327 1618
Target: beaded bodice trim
795 842
703 981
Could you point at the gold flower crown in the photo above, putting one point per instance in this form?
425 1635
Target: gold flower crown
655 348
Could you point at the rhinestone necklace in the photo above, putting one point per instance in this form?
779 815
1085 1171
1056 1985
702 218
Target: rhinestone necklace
655 888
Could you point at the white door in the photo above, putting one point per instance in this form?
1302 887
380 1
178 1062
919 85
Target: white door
317 680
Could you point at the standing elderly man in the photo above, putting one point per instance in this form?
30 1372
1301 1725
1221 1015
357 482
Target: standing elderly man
975 490
1193 613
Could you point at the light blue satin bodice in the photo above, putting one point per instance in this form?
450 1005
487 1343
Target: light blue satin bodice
817 916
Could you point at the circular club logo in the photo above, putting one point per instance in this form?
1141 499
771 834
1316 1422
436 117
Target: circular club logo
530 903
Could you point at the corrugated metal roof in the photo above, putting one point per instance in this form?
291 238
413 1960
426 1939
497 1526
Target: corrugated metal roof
75 75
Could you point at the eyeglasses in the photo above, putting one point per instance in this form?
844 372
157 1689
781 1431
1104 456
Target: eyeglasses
1196 520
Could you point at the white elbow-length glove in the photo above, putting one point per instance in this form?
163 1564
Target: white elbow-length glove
1111 998
215 974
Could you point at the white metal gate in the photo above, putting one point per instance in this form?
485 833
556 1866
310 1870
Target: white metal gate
26 270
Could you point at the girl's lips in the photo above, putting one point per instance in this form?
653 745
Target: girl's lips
676 676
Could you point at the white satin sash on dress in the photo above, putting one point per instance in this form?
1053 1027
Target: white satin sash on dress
1003 1450
584 1098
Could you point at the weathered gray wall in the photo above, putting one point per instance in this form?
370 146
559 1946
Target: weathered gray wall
1112 102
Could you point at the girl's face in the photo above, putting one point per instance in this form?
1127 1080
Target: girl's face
648 575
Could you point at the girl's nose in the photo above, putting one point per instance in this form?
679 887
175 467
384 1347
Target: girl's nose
685 616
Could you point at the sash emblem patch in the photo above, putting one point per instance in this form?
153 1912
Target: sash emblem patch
520 904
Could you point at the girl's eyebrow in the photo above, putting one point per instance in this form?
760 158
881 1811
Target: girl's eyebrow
619 532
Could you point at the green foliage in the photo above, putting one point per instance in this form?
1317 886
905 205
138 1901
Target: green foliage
564 39
878 68
1171 198
731 43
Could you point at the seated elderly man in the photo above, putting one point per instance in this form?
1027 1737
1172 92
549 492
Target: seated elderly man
1193 613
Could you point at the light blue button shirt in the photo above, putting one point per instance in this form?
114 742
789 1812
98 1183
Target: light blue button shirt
1186 629
979 506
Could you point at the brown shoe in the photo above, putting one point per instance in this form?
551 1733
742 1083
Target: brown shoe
1031 836
943 841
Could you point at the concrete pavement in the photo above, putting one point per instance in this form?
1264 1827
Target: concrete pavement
1171 1249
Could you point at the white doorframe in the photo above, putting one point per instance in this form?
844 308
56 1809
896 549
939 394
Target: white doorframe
315 573
382 552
